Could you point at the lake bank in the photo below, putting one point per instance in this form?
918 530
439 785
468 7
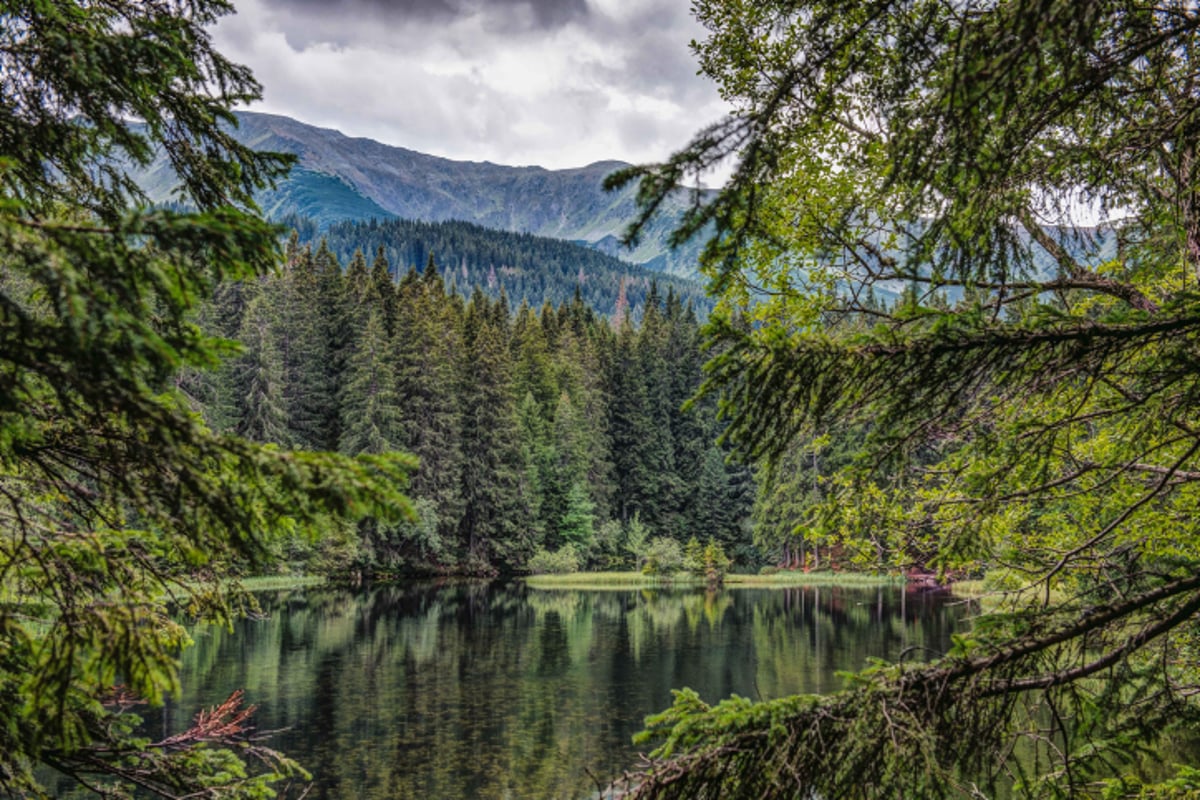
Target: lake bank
599 581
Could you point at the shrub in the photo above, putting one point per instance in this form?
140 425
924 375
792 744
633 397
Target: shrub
663 556
558 562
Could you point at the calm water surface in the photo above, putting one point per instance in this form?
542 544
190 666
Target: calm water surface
469 690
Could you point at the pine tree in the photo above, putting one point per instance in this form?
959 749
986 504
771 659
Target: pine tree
310 392
384 286
538 457
659 489
577 527
371 417
261 409
492 528
336 341
428 350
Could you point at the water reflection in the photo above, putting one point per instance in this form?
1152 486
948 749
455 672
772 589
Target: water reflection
495 691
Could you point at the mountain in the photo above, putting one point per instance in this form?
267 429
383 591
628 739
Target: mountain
533 269
338 177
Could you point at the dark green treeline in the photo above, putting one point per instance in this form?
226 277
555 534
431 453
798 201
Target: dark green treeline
534 428
537 269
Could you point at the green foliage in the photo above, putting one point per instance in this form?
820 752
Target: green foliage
662 556
112 490
1023 398
562 561
577 527
693 556
512 419
606 553
636 536
706 561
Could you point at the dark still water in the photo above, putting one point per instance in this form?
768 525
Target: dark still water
469 690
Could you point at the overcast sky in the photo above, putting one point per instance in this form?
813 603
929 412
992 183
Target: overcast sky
559 83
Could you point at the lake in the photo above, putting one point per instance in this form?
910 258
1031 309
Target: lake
495 690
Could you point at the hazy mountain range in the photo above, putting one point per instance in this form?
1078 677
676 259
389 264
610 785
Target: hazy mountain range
339 178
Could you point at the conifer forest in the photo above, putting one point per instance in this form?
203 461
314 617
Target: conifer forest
533 428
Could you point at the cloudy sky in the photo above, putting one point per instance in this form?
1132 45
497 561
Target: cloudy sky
559 83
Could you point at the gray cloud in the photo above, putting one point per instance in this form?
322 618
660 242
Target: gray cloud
500 15
552 82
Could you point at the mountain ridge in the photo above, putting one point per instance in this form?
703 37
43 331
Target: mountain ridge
356 178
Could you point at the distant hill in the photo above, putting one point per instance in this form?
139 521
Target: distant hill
342 178
534 269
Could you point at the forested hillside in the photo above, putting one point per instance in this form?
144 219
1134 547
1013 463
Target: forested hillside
535 427
534 269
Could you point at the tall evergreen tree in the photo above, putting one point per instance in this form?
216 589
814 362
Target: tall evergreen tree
261 406
371 417
335 335
427 354
383 283
492 528
310 391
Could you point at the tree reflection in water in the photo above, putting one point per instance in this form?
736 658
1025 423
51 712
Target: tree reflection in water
494 690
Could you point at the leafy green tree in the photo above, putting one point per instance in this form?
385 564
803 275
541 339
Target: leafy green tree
662 556
608 545
693 556
636 537
1022 175
112 490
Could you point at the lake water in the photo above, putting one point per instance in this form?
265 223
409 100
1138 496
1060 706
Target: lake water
493 690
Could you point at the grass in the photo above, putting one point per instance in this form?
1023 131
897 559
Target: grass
972 589
593 581
818 578
274 583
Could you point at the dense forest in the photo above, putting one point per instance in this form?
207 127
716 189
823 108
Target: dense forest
534 428
527 268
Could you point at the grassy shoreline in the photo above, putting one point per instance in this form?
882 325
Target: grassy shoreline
276 583
636 580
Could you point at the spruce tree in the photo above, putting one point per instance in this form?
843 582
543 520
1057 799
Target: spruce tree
427 354
492 529
384 285
114 495
260 408
309 386
371 416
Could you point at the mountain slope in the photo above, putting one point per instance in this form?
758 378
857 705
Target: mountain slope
363 174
